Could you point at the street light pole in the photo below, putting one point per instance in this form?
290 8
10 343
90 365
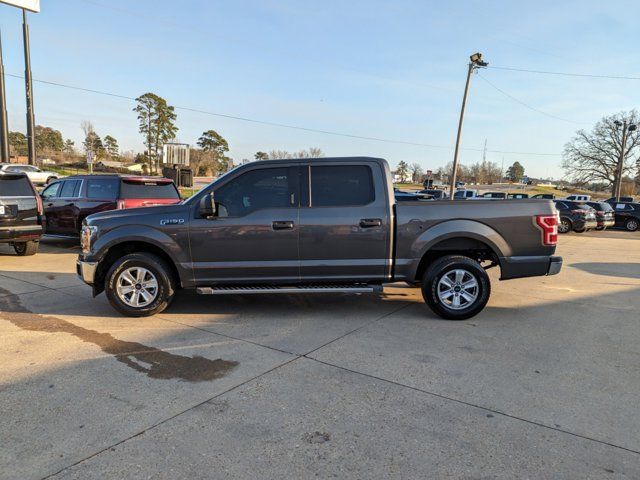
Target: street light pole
31 139
4 126
476 62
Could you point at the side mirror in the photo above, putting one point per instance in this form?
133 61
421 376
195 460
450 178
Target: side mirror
208 206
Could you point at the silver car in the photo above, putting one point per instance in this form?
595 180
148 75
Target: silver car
35 174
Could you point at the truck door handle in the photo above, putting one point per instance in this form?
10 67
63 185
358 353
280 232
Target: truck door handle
282 224
370 222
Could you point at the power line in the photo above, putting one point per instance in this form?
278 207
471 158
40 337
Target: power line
527 105
567 74
284 125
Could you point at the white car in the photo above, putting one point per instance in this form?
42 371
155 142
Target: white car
35 174
579 198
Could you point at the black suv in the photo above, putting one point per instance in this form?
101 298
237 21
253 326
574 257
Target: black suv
575 216
20 213
604 214
627 215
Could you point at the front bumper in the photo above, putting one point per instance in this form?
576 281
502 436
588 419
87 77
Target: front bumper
86 271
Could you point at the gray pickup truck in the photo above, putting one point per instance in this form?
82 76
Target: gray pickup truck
314 225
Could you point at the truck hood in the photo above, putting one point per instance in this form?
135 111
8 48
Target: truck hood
142 215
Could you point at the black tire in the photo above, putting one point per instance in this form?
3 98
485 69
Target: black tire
581 231
26 249
157 267
632 225
565 225
431 287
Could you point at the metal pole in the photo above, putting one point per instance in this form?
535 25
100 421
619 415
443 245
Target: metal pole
31 128
621 162
4 125
452 184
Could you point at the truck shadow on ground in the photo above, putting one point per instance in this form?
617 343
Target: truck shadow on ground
624 270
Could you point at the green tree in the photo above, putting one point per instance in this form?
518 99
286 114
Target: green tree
48 140
69 147
156 120
403 171
18 143
515 172
215 145
111 146
261 156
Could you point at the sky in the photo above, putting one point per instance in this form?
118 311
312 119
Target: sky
380 69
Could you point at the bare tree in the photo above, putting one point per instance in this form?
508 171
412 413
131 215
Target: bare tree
312 152
593 156
416 172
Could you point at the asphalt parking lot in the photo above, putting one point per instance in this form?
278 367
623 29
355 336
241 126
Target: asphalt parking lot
543 384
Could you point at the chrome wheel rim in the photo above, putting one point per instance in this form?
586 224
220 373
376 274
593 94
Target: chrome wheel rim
564 226
632 225
458 289
137 287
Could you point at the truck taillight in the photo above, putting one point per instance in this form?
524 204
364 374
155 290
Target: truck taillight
549 226
39 204
121 205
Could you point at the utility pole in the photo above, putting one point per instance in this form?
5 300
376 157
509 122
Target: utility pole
4 125
476 62
626 127
31 127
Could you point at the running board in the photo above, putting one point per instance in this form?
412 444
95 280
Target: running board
239 289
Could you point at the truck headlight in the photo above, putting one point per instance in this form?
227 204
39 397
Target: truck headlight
86 236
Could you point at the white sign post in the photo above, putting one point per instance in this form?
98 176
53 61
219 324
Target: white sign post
90 160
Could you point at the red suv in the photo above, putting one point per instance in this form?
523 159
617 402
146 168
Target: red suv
68 201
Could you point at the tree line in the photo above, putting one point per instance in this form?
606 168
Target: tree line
484 172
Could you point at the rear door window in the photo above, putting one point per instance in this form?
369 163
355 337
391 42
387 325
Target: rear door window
148 189
341 185
70 189
13 186
102 189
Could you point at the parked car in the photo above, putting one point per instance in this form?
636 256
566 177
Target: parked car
20 213
436 194
518 195
544 196
575 216
465 194
622 200
68 202
461 184
314 225
578 198
495 195
605 217
404 196
627 215
35 174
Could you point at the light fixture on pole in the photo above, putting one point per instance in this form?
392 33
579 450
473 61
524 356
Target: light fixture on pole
475 63
626 128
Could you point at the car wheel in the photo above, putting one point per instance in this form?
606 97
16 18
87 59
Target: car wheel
50 179
581 230
139 285
456 287
632 225
25 249
565 225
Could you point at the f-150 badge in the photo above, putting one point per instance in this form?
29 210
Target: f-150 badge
172 221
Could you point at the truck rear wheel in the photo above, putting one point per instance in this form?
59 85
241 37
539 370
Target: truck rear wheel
25 249
456 287
139 285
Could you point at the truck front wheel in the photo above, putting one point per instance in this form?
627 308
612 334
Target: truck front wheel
456 287
139 285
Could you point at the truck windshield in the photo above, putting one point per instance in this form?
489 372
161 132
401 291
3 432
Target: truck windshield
13 186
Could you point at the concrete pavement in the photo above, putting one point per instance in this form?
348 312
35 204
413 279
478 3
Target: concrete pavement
543 384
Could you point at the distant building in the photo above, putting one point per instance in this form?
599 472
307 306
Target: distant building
109 164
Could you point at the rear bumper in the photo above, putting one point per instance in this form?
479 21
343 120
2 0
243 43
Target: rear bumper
529 266
86 271
20 233
606 223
